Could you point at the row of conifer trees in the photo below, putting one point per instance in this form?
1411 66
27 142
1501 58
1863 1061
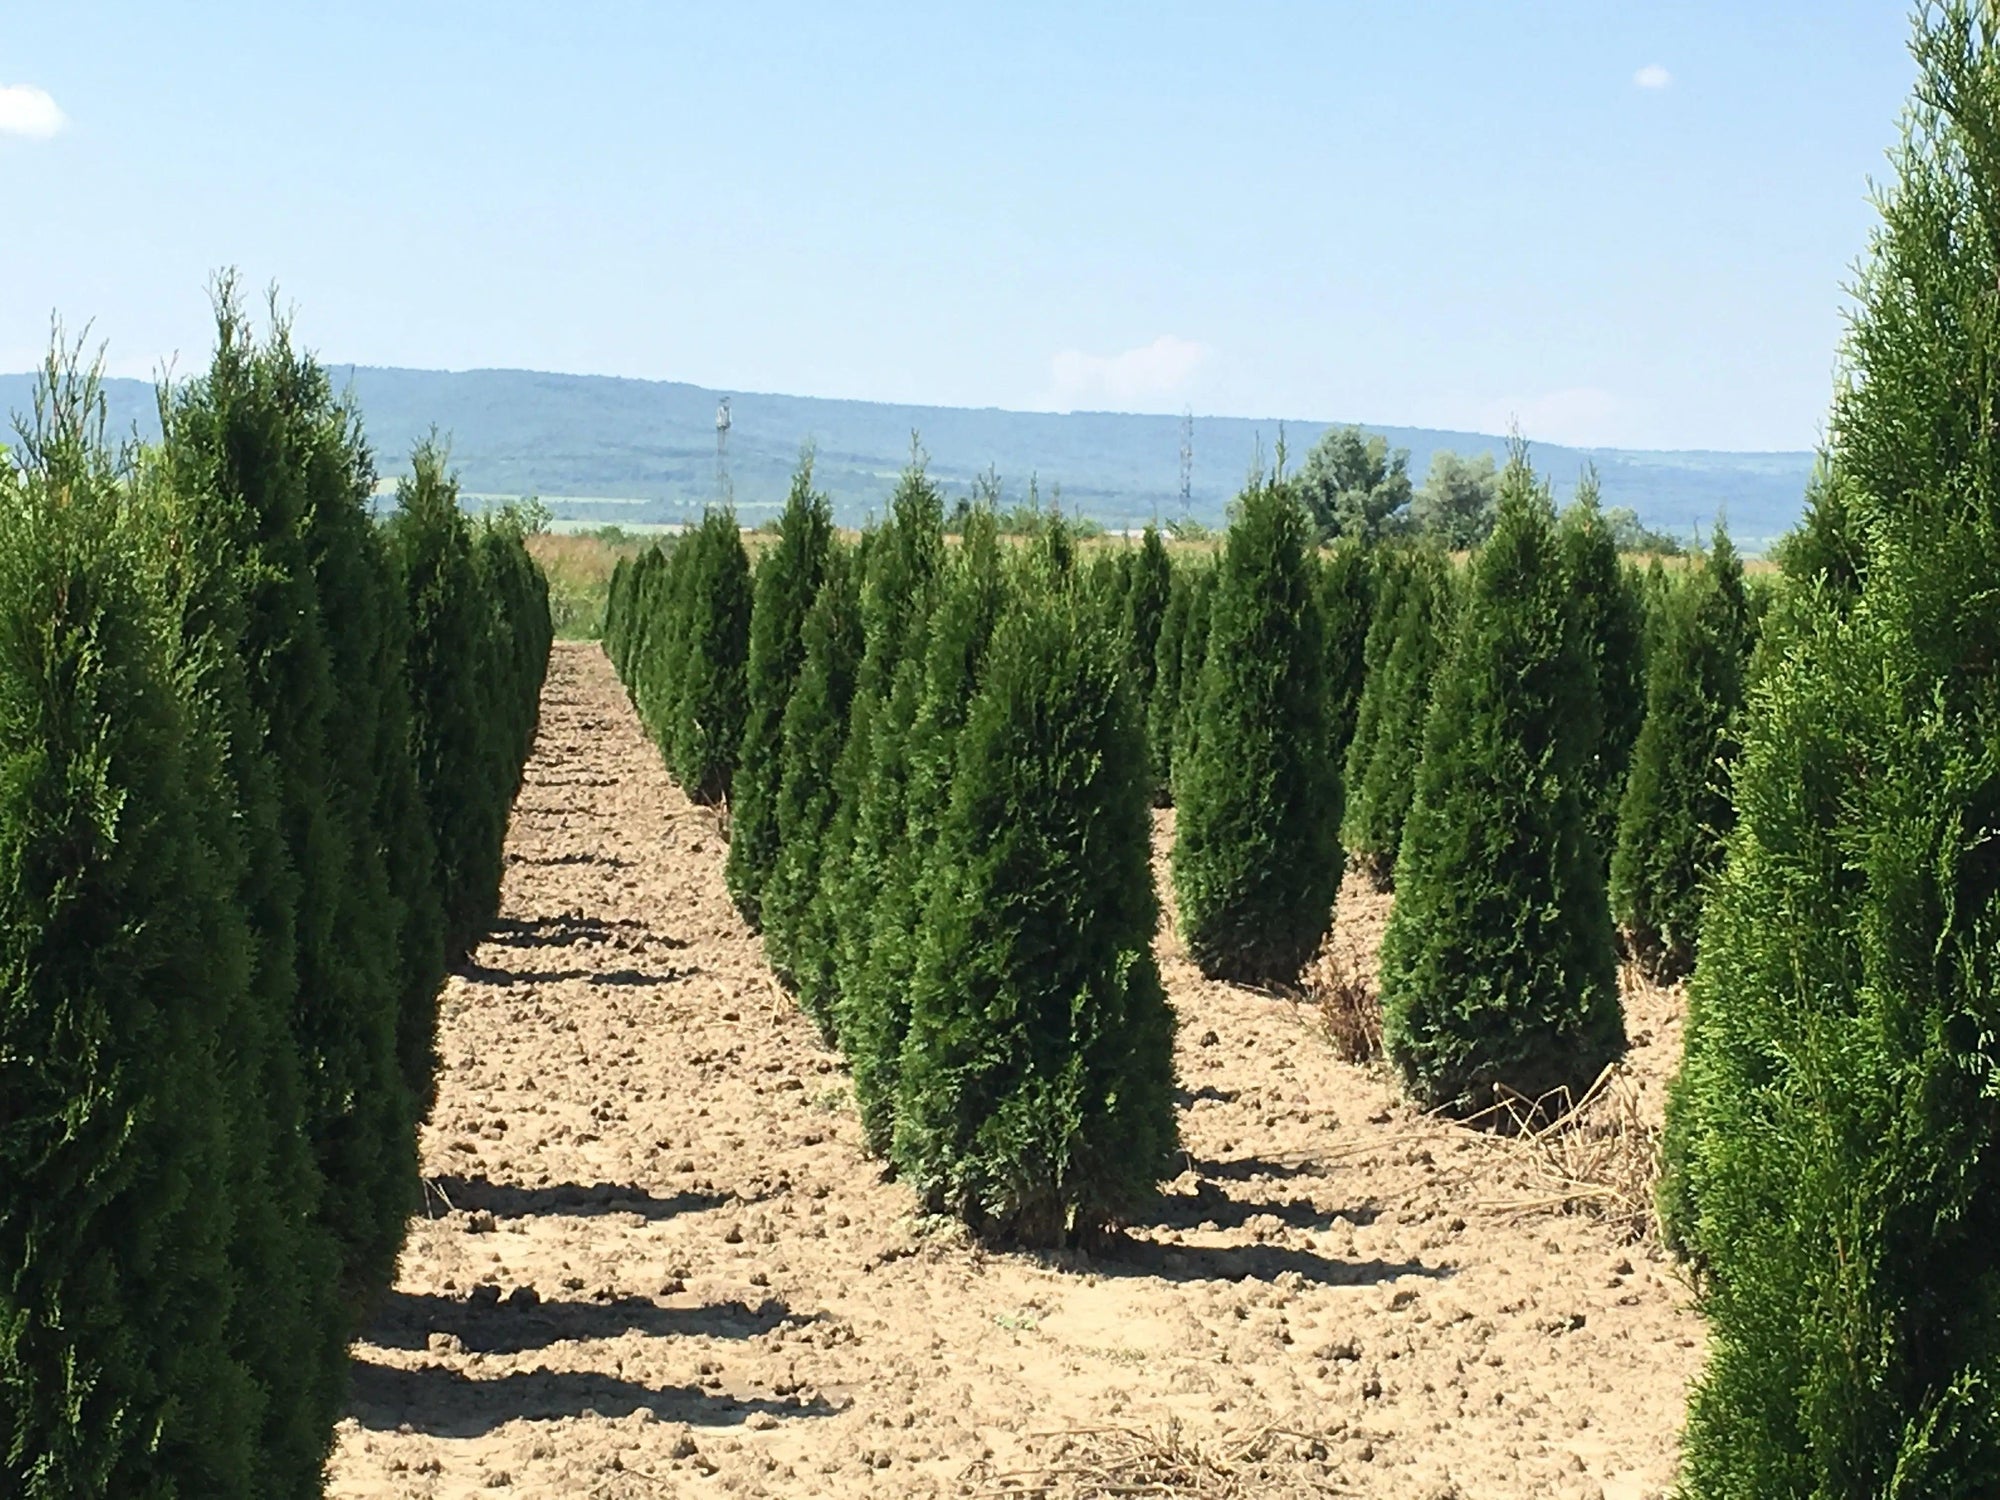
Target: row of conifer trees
937 774
1466 732
256 754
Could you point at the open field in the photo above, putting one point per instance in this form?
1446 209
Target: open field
656 1260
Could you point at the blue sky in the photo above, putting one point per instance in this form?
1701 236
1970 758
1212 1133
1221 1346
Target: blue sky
1625 224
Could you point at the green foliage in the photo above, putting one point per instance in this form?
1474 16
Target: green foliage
1629 534
1256 859
1194 651
1354 486
224 923
1407 641
875 1005
1834 1135
707 702
433 547
788 580
1459 500
1037 1079
1163 710
1498 968
813 737
897 596
1676 808
1614 637
1347 608
1149 586
126 963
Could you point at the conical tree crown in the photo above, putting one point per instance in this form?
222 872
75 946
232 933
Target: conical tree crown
1834 1136
1406 646
875 1008
1497 967
814 735
787 581
1164 709
1676 808
710 692
1037 1080
1614 635
1148 589
1256 856
125 959
1347 604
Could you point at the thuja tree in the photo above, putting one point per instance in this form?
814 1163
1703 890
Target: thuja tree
1037 1081
1164 706
291 1335
708 699
1148 588
1676 808
896 599
1256 859
1834 1135
1194 651
432 543
1347 605
1498 969
875 1010
1614 634
813 735
263 425
1405 648
125 960
788 579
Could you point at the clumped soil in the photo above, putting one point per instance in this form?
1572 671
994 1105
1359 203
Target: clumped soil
654 1259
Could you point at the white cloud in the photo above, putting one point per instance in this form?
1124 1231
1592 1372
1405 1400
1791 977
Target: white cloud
1652 76
1148 373
27 110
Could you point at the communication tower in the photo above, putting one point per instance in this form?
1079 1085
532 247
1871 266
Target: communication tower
1187 463
723 493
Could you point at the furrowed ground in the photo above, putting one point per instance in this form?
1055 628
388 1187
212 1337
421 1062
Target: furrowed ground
655 1261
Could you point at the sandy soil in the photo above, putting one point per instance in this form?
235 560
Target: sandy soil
656 1262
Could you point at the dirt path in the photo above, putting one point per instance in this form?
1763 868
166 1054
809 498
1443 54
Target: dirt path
656 1261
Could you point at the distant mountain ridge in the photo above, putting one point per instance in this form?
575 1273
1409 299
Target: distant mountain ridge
609 449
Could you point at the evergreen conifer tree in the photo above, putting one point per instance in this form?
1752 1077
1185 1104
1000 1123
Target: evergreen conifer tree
1164 708
710 693
1257 859
1614 626
1498 969
1194 650
787 581
434 552
1409 637
1834 1135
1037 1078
1676 810
1148 589
896 600
1347 605
876 1007
125 961
814 734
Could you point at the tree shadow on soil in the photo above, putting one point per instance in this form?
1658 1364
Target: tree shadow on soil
1250 1168
407 1320
445 1403
1175 1211
506 1200
480 973
1184 1263
571 930
558 861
